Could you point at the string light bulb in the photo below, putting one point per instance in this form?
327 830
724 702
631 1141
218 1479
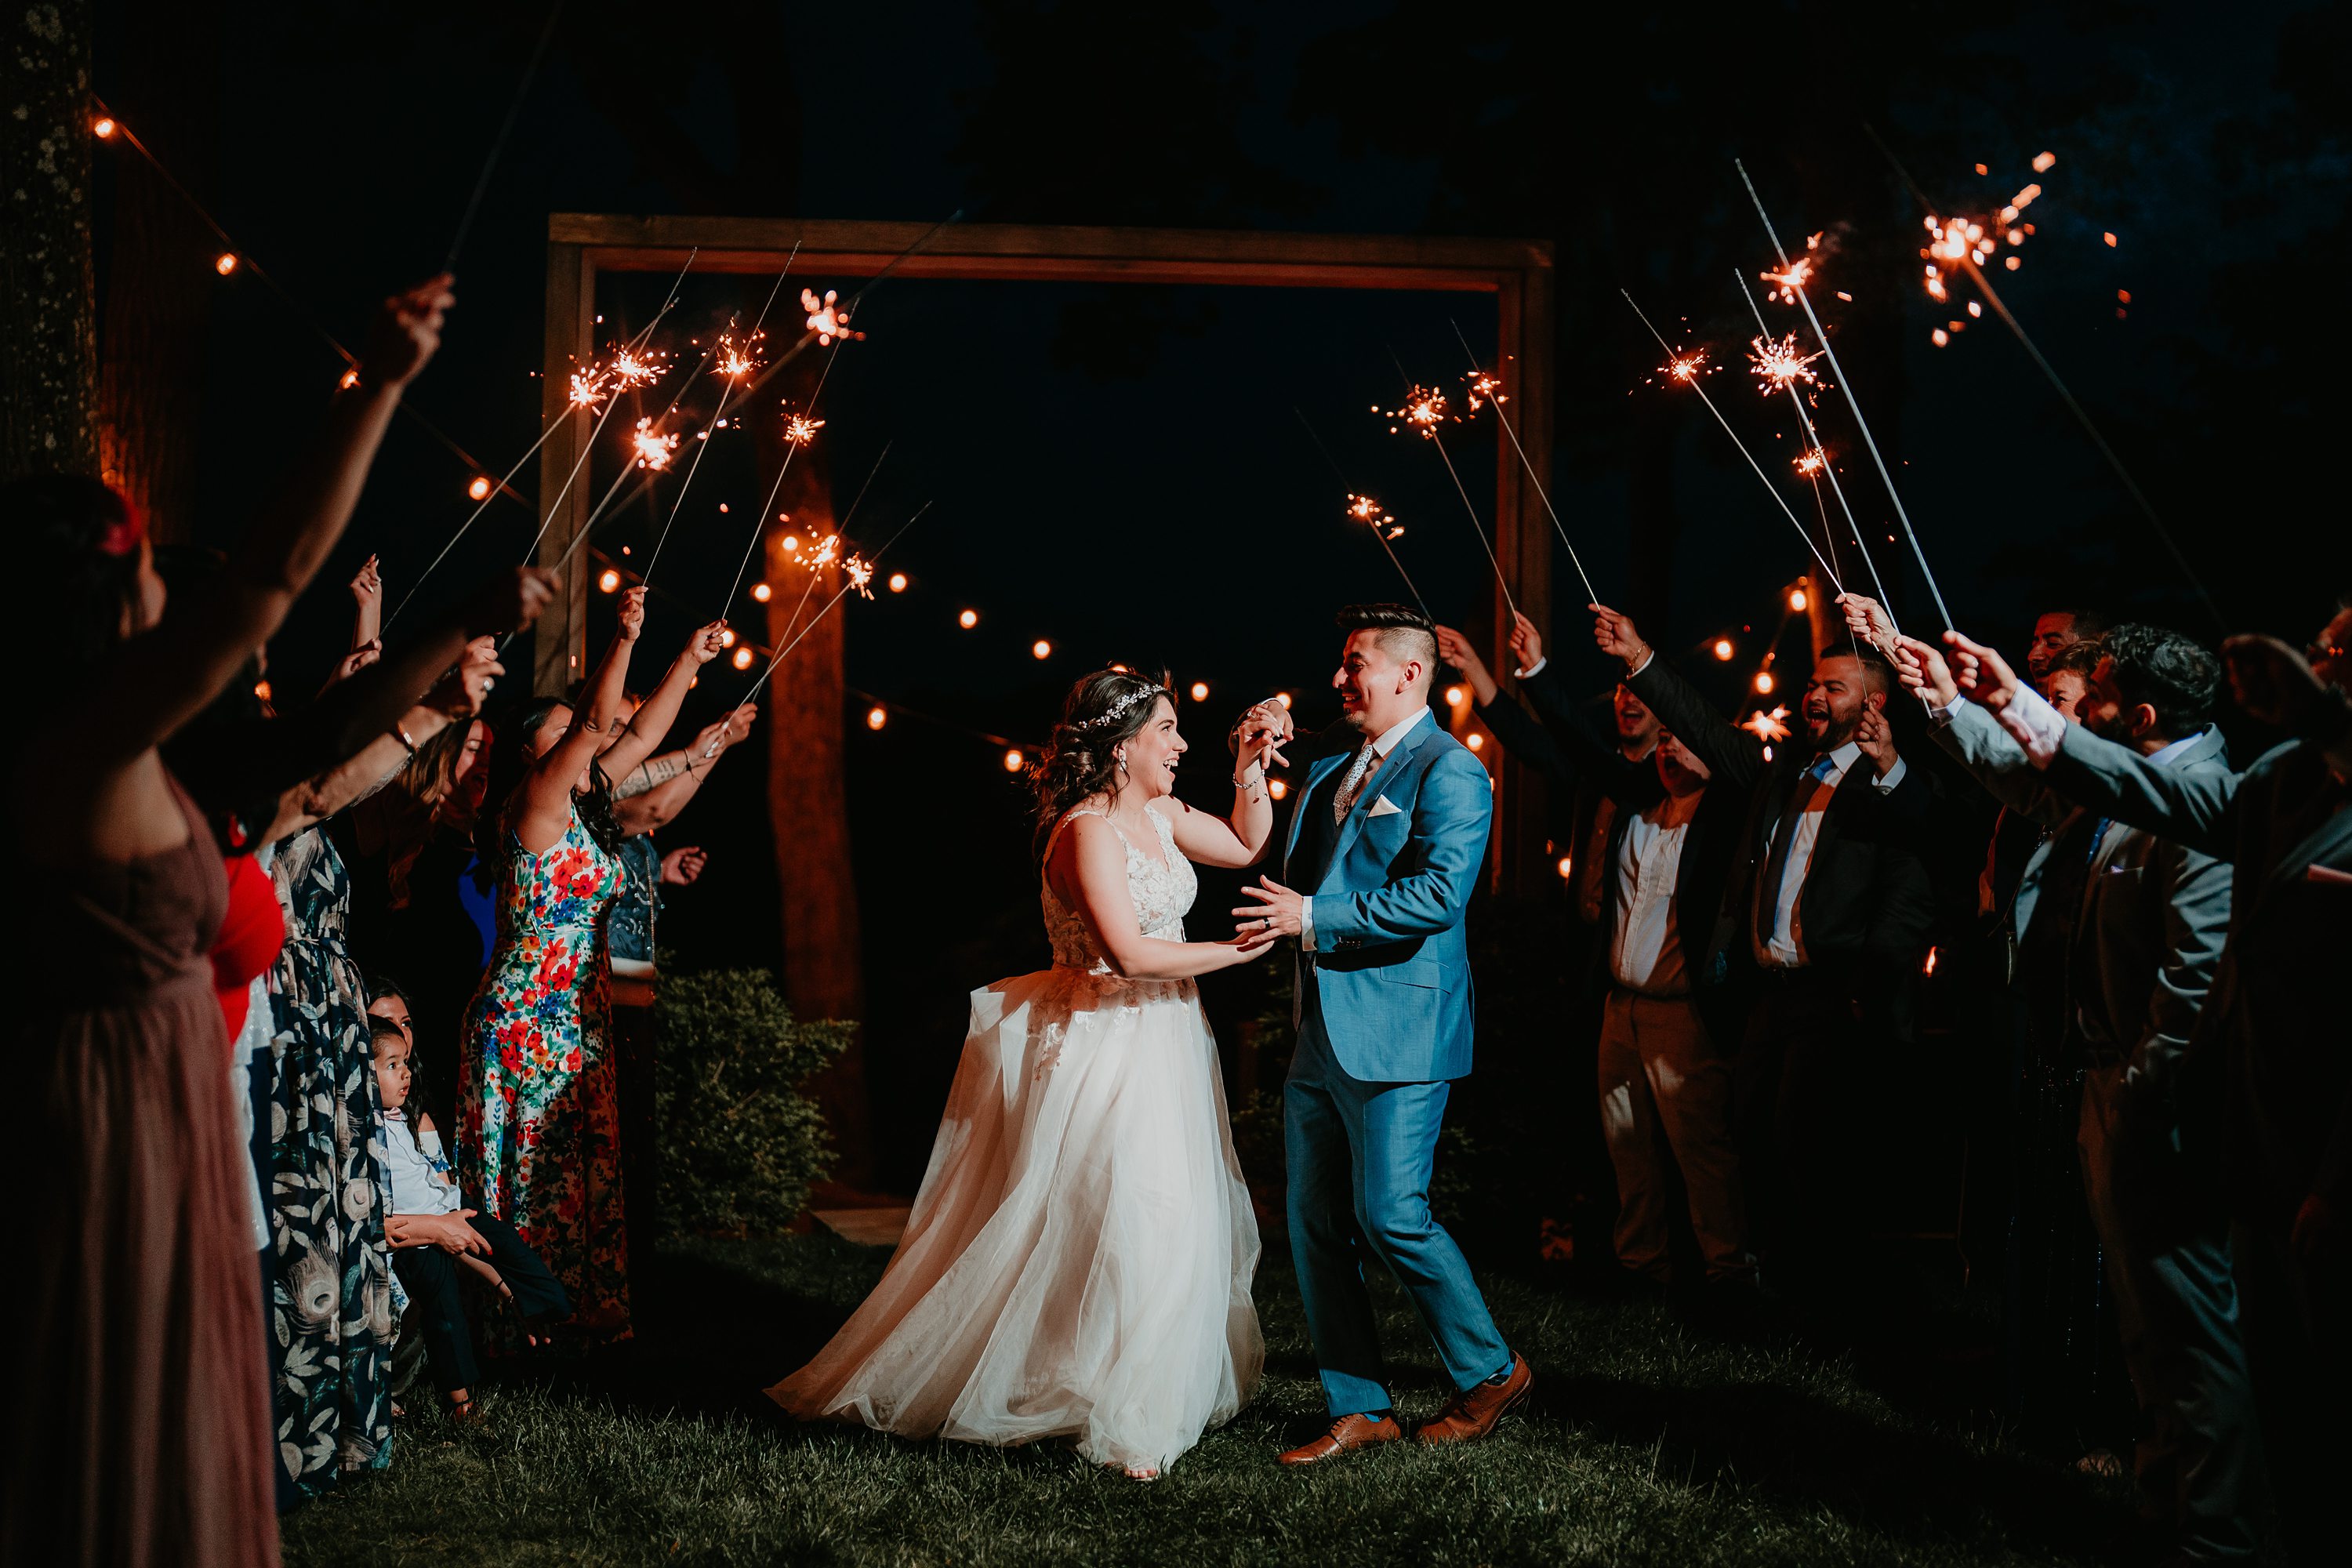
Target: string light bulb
875 718
1199 691
1013 760
1475 740
225 263
1041 648
101 128
1567 867
1283 698
610 582
1797 599
968 619
743 659
1276 788
727 637
1724 650
761 593
1454 697
1764 681
480 487
897 582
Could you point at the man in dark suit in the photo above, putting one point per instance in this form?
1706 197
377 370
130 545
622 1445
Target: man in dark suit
2273 1027
1825 916
1665 844
2127 928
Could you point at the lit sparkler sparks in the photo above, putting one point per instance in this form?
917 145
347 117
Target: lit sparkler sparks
1777 363
800 429
1685 367
654 448
1485 387
1424 410
1964 244
1367 511
827 319
1768 727
634 367
738 357
861 573
1811 462
587 387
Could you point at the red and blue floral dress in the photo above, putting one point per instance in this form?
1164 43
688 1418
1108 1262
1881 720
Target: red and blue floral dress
537 1139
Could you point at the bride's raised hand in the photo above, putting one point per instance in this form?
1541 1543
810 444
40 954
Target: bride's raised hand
1263 732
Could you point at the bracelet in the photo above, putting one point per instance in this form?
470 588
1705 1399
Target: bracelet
401 733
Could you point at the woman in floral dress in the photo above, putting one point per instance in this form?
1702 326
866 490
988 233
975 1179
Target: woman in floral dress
536 1139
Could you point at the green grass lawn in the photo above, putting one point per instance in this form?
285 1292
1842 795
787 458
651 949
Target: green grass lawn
1647 1442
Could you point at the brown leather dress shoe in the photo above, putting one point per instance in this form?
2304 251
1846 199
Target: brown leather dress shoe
1473 1413
1348 1434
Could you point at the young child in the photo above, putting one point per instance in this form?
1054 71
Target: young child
433 1236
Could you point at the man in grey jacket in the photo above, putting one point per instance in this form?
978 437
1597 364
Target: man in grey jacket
2132 926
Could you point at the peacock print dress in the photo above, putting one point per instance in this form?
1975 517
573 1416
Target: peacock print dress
537 1145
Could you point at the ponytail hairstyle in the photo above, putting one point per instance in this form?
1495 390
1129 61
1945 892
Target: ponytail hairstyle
510 762
1102 712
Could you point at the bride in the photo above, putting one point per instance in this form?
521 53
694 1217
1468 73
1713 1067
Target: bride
1078 1264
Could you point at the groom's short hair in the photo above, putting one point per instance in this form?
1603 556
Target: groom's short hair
1402 632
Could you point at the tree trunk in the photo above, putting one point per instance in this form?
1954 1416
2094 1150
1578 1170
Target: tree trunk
49 346
808 801
158 277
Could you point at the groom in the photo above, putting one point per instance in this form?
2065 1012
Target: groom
1387 843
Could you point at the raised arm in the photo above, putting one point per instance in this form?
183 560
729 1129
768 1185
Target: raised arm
163 679
1731 753
654 794
1240 838
455 698
1087 867
544 811
658 711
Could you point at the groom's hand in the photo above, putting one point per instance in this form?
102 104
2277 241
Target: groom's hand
1275 911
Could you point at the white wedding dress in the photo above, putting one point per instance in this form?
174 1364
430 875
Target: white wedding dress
1078 1262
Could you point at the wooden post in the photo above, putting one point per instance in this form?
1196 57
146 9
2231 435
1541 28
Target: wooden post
1523 534
48 347
560 643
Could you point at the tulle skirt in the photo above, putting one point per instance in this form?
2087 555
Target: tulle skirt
1078 1264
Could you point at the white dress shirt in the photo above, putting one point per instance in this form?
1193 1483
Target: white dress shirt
1381 746
1645 952
1786 948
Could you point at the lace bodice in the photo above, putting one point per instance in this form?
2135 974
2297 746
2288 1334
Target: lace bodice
1162 892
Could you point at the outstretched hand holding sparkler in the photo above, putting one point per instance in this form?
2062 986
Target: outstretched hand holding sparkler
1921 668
1982 674
1866 618
1618 637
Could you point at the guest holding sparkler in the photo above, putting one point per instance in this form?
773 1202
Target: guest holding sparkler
1664 1072
1824 919
137 1428
2272 1031
537 1140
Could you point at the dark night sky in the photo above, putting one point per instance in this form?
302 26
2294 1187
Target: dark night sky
1134 485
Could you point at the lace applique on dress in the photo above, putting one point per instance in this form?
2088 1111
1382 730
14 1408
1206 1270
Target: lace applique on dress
1163 892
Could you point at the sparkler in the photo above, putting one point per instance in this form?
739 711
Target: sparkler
1484 386
736 361
792 542
1815 462
827 319
653 450
1685 367
859 571
799 431
2041 164
632 366
1794 284
1777 364
1425 409
1768 727
1365 516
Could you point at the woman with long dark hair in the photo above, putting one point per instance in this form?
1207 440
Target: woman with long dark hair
536 1139
1078 1264
135 1429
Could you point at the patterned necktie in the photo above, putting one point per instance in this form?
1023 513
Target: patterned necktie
1352 784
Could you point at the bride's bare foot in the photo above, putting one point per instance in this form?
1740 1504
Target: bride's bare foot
1134 1472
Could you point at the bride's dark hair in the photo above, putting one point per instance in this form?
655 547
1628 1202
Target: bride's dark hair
1101 712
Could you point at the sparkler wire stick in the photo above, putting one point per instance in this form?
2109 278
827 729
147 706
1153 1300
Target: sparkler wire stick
1692 381
1846 385
829 603
1813 443
1591 595
506 129
759 521
1439 442
2082 417
1377 533
702 443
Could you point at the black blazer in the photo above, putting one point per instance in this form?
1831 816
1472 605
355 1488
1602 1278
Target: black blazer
1867 906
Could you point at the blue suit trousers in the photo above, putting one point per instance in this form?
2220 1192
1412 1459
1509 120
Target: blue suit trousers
1359 1156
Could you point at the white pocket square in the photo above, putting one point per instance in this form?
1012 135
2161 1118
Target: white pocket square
1384 806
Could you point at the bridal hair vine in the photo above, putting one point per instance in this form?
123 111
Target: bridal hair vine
1112 714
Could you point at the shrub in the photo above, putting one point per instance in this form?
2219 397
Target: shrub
739 1146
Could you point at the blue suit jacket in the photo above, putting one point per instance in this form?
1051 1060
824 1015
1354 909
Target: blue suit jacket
1390 990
